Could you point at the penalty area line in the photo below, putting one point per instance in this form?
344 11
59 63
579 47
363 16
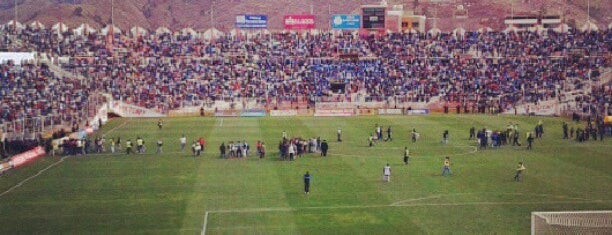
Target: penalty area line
288 209
393 205
51 166
34 176
205 223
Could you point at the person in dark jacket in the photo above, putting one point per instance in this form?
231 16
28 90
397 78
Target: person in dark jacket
324 148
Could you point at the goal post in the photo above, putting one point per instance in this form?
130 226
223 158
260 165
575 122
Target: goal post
571 222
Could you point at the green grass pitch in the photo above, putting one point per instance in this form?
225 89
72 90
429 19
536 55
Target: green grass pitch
175 193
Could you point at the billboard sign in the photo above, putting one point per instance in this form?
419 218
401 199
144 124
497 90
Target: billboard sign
373 17
417 112
252 21
297 22
345 21
253 113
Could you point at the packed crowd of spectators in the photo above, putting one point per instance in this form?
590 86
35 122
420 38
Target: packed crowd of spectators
168 71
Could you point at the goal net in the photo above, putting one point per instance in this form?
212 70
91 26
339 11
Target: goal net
571 222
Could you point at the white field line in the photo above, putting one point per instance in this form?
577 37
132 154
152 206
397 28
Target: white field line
205 223
475 149
393 205
402 202
117 127
50 166
32 177
282 209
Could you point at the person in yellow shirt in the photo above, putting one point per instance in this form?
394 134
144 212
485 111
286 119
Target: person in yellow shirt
55 147
446 171
529 140
112 145
139 145
128 147
406 155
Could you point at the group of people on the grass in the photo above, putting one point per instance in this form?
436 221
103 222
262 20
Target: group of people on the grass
240 149
378 135
487 138
590 130
296 147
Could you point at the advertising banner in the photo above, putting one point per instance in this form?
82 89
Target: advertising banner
305 112
373 17
333 112
297 22
25 157
417 112
227 113
283 113
546 109
253 113
549 108
366 112
390 111
128 110
251 21
343 21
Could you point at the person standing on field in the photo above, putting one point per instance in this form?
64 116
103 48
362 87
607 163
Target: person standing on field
406 155
112 145
222 150
472 133
446 171
387 173
339 134
324 148
445 137
183 141
262 151
519 171
139 145
307 178
414 135
529 140
565 131
159 146
128 147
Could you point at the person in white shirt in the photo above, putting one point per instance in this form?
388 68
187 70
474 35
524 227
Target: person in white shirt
183 141
387 173
160 144
291 152
339 134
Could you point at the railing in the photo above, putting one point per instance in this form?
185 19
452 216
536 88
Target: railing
32 128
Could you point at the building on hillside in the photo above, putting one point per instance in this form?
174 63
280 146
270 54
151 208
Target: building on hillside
410 22
525 22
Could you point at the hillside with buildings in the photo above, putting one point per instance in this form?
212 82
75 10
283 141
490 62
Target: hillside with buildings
204 14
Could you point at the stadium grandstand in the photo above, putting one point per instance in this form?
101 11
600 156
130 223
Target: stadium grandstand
64 83
162 71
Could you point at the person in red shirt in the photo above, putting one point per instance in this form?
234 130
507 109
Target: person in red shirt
202 142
